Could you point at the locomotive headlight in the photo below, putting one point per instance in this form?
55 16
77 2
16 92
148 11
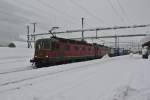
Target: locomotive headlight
46 56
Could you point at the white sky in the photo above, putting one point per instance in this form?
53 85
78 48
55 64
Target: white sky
16 14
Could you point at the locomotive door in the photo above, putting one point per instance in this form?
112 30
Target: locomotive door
96 51
61 51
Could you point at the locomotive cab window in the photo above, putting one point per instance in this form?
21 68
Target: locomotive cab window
43 44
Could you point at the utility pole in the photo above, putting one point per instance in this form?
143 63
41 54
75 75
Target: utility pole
82 29
115 41
96 33
116 46
118 43
28 38
34 25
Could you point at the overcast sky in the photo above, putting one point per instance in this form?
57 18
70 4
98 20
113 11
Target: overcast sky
16 14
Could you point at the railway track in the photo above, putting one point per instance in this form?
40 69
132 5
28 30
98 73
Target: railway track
12 61
17 70
14 82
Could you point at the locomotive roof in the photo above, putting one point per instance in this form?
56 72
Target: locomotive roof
69 40
72 41
65 40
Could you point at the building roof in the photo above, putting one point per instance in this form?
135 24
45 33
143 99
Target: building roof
146 41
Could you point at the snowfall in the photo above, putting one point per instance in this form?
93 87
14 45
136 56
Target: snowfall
116 78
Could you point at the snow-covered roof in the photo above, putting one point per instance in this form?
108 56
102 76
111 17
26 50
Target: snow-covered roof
146 39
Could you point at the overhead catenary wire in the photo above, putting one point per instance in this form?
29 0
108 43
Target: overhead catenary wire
87 11
125 14
30 7
120 16
123 10
98 29
113 36
30 13
48 5
43 13
115 11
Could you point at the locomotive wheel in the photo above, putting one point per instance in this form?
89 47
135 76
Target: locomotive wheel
38 65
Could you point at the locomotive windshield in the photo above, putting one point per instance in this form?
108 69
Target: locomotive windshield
49 44
43 44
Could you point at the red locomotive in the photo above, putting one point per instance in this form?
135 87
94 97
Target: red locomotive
54 50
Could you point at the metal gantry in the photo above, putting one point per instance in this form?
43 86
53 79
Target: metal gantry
111 36
96 30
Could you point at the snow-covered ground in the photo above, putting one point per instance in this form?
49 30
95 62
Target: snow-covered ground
12 59
117 78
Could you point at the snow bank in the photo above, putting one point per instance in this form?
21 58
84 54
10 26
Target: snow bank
106 56
149 57
146 39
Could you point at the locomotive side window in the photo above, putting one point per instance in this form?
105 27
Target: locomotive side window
55 46
83 48
76 48
67 47
89 48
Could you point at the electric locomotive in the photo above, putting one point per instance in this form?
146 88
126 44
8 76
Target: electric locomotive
54 50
